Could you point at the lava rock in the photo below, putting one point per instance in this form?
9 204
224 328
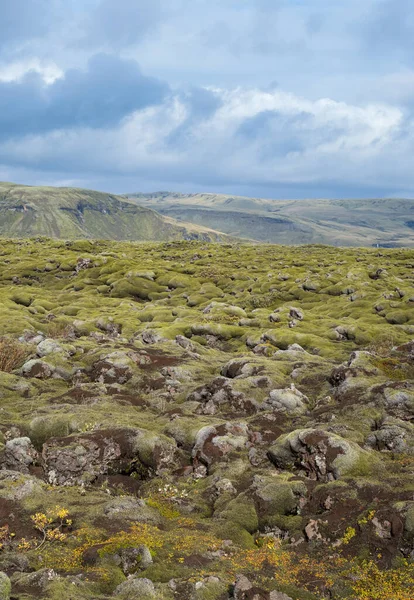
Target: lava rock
19 454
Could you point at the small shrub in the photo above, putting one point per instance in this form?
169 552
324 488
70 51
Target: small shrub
51 523
12 354
383 344
58 330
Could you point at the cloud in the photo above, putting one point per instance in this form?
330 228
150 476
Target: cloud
120 23
15 71
389 29
75 105
109 89
251 138
198 105
23 20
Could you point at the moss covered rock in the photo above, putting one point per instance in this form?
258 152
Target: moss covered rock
5 586
321 455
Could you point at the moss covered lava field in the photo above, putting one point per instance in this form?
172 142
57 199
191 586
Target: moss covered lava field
194 421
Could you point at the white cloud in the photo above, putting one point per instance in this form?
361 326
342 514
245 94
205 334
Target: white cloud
333 140
15 71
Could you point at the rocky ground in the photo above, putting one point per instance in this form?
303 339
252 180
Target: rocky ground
203 422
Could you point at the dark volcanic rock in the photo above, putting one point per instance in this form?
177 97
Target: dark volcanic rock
318 454
218 395
19 455
81 459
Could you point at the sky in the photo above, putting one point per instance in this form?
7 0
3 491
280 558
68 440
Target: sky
265 98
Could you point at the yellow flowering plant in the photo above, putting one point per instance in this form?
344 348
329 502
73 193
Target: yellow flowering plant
51 523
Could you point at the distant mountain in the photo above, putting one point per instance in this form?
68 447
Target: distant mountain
72 213
383 222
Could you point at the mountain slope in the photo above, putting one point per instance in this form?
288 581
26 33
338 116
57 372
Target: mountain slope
386 222
72 213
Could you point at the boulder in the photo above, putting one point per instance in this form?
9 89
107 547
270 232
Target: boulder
184 342
390 437
296 348
17 486
80 459
47 347
39 579
275 496
19 454
409 523
406 350
398 398
132 560
224 486
288 400
14 562
108 325
274 318
310 286
135 588
218 395
238 368
214 443
360 364
320 455
296 313
37 369
151 337
240 511
263 350
31 337
83 263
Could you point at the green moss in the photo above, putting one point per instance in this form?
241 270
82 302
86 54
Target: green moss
211 591
135 287
367 464
280 499
43 428
163 573
167 289
228 530
224 332
5 586
21 298
241 511
409 522
398 317
291 523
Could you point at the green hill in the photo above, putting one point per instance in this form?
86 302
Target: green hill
366 222
72 213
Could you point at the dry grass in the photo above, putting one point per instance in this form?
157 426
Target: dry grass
12 354
383 345
59 330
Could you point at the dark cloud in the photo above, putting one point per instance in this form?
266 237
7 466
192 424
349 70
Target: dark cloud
109 89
